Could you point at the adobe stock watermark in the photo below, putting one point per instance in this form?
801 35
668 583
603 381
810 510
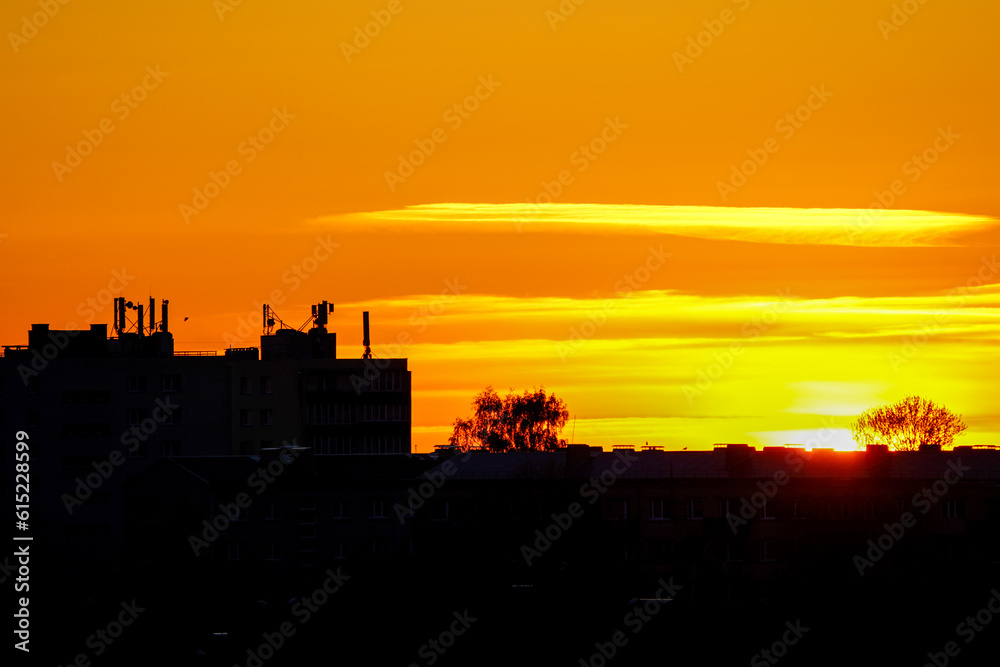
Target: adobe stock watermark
591 491
635 620
588 328
967 629
37 21
433 649
259 480
899 16
562 13
930 328
779 649
455 116
786 126
421 318
102 638
381 18
914 167
294 277
417 496
923 500
581 158
753 328
302 611
88 309
122 106
250 148
697 44
131 438
223 7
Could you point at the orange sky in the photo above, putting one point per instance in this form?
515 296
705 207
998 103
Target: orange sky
754 159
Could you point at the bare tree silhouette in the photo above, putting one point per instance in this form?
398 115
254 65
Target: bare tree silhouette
907 424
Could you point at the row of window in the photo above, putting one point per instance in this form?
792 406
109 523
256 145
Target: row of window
331 445
247 385
371 379
324 414
138 383
136 416
266 417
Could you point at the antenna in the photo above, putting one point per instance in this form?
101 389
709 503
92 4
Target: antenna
366 342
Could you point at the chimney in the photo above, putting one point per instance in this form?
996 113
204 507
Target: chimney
163 316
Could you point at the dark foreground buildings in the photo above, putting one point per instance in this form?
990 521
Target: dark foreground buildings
281 552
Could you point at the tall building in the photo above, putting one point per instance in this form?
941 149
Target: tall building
98 408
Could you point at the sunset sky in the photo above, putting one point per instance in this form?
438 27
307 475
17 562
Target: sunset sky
697 223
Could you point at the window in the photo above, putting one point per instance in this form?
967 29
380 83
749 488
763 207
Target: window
766 512
137 451
272 550
136 383
953 509
439 510
331 445
170 448
246 417
34 386
339 550
271 513
378 548
134 416
171 382
767 551
381 444
246 447
237 513
172 417
659 510
267 417
317 383
729 506
307 512
233 551
338 509
378 509
246 385
695 509
266 385
617 509
735 551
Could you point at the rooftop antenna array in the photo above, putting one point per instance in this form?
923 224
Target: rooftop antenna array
121 324
320 313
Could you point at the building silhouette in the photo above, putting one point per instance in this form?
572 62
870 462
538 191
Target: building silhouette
219 489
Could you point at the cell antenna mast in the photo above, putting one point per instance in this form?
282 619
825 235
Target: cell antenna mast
366 342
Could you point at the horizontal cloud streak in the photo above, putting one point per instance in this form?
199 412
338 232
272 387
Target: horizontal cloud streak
848 227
